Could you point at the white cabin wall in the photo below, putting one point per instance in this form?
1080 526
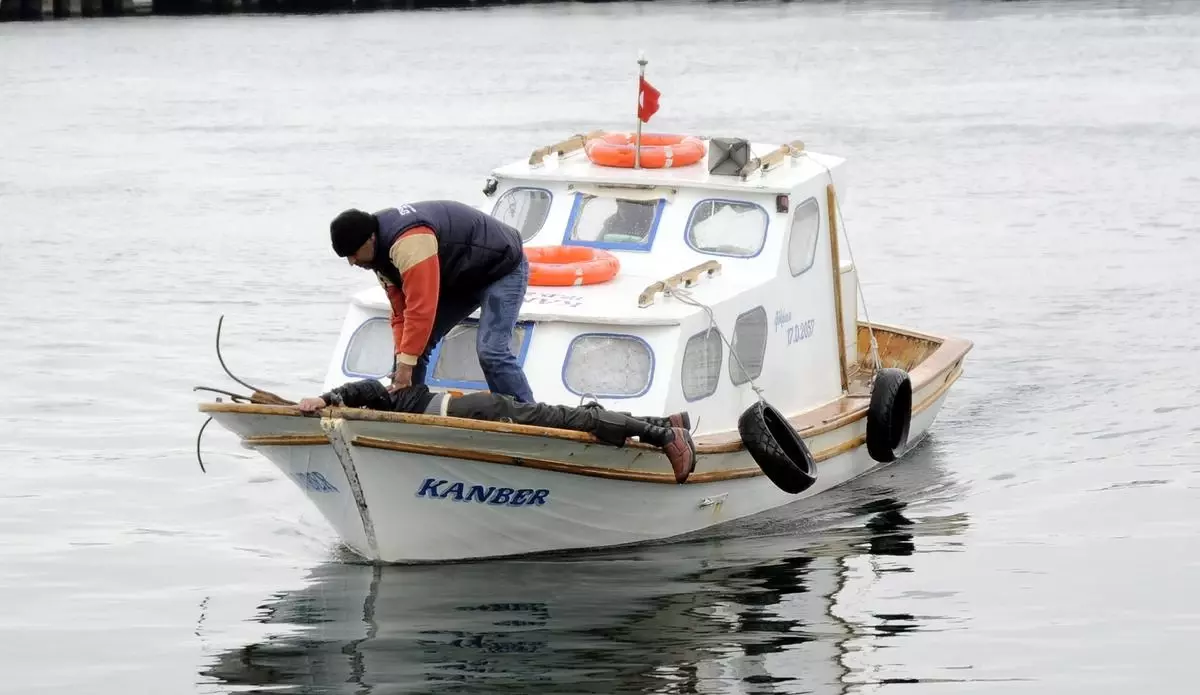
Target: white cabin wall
813 360
545 360
795 377
719 411
670 252
548 352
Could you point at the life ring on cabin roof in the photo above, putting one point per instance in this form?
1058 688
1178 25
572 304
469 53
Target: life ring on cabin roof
565 266
658 151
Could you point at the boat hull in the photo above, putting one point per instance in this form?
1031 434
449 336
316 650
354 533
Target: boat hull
402 506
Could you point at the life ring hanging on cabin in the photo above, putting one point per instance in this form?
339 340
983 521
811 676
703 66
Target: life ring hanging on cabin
565 266
658 151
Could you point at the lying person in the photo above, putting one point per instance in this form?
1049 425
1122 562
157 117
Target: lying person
670 433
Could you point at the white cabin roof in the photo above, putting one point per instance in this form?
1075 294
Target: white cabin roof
575 167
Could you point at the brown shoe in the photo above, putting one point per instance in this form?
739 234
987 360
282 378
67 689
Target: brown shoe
680 419
681 452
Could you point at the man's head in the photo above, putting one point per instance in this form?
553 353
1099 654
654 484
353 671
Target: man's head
353 236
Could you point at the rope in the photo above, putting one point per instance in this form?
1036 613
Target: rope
850 248
687 298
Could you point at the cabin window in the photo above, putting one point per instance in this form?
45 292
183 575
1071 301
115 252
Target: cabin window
524 209
613 223
455 359
749 345
802 244
370 351
727 228
605 365
701 367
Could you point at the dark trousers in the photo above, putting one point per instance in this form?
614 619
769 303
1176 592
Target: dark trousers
490 406
499 305
606 425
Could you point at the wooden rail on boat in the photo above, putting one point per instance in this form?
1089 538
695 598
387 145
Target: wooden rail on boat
928 360
426 449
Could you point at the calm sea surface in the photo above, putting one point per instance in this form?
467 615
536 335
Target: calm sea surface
1026 175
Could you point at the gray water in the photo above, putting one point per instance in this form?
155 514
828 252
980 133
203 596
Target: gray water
1026 175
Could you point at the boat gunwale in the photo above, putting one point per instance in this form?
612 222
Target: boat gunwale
538 463
825 418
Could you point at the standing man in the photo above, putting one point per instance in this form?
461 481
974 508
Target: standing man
438 261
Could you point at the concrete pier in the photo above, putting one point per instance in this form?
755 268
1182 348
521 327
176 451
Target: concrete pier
17 10
28 10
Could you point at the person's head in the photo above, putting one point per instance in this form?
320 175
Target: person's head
353 236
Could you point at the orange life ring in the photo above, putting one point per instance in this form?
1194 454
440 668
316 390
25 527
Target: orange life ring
564 266
658 151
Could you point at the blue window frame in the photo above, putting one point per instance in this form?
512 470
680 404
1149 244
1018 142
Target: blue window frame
466 358
606 238
727 249
604 359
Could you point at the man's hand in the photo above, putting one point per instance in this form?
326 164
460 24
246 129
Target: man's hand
401 378
311 405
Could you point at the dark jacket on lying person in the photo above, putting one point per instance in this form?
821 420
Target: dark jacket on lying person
670 433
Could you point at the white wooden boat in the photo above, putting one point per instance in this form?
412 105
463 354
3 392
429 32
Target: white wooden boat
733 301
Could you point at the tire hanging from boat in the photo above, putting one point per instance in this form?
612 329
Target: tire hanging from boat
777 448
889 415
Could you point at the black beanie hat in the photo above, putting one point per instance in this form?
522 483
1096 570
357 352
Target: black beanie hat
350 230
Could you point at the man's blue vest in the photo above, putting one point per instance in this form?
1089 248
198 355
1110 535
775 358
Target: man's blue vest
474 248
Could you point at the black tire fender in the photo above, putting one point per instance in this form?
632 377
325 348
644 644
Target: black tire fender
777 448
889 415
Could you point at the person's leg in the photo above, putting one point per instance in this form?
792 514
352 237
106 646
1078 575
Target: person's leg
450 313
500 306
607 426
680 419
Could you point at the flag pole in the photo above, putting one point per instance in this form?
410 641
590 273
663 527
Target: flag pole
637 147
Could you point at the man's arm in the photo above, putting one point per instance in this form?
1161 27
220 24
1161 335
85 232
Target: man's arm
414 304
365 393
396 299
369 393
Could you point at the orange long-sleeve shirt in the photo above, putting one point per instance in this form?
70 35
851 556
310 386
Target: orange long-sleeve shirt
415 302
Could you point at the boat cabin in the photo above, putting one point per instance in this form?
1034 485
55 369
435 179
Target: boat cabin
739 241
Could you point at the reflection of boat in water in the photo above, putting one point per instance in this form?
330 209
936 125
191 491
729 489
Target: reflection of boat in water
758 615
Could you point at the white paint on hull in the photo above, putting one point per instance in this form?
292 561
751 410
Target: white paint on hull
579 511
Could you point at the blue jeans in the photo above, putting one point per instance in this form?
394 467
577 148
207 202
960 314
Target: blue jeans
499 305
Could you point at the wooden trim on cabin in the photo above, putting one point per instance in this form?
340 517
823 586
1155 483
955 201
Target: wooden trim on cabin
831 204
687 278
571 144
771 159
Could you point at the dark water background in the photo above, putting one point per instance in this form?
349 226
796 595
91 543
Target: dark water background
1026 175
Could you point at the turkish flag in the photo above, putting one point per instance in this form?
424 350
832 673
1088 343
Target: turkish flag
647 100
